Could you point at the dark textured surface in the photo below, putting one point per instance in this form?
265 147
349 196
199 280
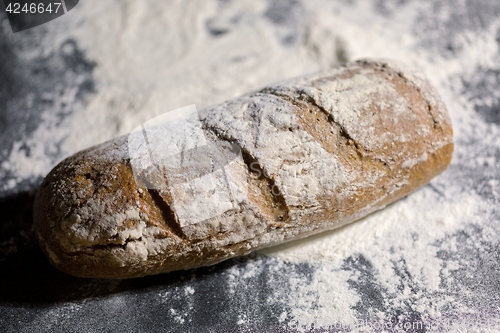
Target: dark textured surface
28 88
34 297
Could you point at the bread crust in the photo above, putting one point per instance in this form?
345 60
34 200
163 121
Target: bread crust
318 152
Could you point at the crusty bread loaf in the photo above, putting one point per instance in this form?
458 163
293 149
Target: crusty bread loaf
317 152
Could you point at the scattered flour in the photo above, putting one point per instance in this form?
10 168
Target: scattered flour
409 229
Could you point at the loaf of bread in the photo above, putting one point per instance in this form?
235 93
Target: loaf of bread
291 160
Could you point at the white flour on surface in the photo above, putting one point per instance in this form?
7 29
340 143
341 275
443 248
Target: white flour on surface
153 57
409 229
